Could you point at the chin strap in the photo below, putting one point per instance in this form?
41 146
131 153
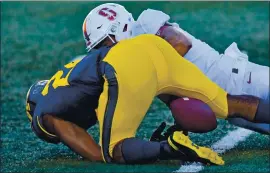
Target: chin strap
111 38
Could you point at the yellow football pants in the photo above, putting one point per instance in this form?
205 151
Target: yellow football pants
147 66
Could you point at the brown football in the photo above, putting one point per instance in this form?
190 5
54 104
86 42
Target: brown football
193 115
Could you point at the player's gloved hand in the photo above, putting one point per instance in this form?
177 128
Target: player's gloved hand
180 142
158 136
172 129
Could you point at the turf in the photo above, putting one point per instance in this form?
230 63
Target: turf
38 37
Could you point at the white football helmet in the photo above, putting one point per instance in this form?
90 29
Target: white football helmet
108 18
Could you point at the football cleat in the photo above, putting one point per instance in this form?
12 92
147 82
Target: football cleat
180 142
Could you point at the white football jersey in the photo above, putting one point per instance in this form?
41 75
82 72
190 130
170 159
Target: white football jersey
227 70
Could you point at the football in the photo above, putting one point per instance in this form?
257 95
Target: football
193 115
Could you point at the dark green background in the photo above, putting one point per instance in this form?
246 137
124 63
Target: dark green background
38 37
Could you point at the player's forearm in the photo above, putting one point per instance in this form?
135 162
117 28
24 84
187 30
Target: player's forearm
76 138
178 40
83 144
248 107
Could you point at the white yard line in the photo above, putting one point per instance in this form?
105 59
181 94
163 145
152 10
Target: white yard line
226 143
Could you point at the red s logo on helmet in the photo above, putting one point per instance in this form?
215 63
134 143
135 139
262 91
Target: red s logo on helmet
106 12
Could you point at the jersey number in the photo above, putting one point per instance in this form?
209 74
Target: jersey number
57 78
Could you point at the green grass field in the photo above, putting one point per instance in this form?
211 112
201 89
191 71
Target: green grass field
38 37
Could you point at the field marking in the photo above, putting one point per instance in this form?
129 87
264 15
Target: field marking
226 143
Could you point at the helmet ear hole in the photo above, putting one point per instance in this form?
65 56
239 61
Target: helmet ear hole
125 28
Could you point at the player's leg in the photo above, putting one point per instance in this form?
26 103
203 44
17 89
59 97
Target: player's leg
185 79
178 146
118 135
124 110
131 104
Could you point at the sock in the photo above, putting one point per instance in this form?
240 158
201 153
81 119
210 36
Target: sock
137 151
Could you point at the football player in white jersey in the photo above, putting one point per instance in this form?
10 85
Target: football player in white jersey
232 71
